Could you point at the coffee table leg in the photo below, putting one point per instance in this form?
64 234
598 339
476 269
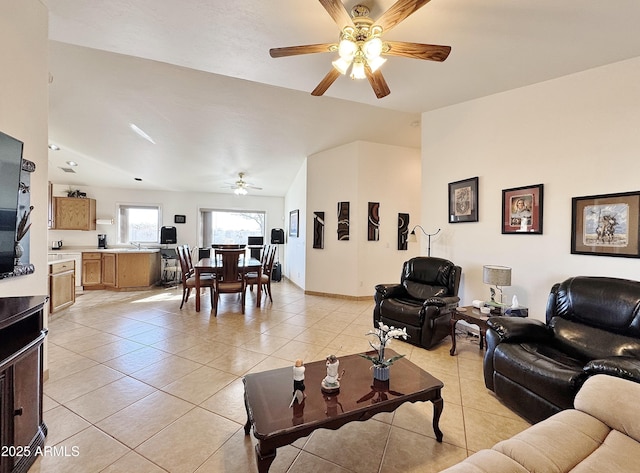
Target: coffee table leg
264 459
453 336
438 405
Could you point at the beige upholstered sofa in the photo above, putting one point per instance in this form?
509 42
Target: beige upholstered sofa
601 434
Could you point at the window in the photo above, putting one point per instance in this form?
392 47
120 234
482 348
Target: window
230 226
138 223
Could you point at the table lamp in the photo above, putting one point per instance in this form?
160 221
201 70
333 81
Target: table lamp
497 276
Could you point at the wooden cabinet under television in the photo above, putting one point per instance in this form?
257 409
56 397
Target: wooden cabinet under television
72 213
22 429
62 285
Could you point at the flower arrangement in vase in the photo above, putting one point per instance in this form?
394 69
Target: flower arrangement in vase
383 336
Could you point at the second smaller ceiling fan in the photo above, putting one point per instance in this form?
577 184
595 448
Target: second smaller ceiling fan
240 187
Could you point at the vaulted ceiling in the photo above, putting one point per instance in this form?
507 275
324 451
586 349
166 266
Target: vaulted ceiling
196 76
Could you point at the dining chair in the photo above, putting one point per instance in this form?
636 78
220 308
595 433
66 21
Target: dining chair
188 280
230 277
268 257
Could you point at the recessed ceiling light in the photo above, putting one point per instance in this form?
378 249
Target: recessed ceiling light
137 178
53 147
72 163
141 133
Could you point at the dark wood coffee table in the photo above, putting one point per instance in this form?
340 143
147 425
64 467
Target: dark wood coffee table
267 396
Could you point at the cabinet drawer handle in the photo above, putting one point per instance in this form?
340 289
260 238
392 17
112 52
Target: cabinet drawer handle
18 411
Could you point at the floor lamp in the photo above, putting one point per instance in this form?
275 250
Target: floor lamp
413 238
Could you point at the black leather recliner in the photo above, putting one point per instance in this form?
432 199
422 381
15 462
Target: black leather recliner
423 300
592 326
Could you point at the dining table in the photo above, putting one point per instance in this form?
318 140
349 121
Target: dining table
211 265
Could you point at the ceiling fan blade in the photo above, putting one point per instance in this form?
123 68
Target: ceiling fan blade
326 82
398 12
378 84
431 52
338 12
306 49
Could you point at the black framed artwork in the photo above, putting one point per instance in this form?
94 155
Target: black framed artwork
294 220
318 230
606 225
522 210
179 219
343 221
463 201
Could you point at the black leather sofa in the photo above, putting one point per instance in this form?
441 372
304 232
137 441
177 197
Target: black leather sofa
592 326
423 300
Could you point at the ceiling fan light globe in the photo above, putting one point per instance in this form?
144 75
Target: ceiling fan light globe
374 64
341 65
372 48
240 191
357 71
347 49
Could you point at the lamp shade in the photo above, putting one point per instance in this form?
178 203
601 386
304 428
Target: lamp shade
496 275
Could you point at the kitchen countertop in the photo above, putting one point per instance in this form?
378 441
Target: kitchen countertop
67 254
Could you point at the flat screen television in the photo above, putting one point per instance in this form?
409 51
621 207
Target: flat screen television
10 166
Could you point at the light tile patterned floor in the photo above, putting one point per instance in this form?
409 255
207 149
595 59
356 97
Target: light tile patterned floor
138 385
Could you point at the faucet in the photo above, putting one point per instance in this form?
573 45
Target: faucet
138 245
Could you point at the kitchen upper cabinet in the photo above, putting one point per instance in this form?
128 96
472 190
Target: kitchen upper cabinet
71 213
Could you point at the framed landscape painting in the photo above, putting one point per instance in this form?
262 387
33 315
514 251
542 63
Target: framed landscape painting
606 225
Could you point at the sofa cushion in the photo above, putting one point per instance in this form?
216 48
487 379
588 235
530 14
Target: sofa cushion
587 343
618 453
423 291
547 372
403 312
613 401
486 461
557 444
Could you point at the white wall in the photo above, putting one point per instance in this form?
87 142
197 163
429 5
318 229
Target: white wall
23 115
359 173
181 203
295 264
578 135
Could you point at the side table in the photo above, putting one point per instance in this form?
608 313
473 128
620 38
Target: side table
473 316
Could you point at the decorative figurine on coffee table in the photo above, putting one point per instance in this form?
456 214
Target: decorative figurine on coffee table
331 383
298 382
298 376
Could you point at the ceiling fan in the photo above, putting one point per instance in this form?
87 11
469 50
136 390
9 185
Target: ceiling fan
240 186
360 47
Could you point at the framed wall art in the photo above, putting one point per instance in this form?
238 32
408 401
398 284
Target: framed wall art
606 225
522 210
318 230
463 201
373 221
403 231
343 221
294 220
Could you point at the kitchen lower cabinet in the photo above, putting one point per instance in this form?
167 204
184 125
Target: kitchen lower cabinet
109 269
62 285
22 429
120 270
91 270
